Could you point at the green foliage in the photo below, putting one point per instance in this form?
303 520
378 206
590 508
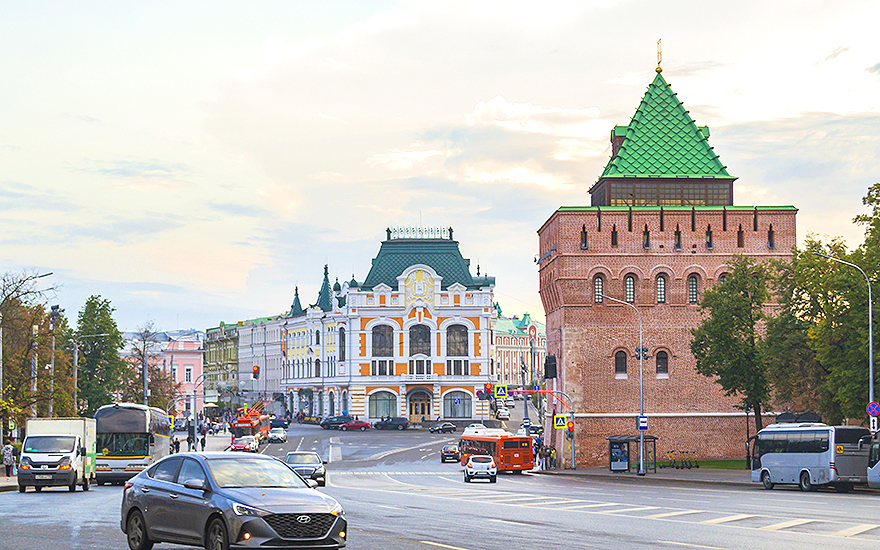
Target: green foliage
728 345
101 370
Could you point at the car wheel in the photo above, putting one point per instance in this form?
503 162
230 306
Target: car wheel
21 488
136 532
400 427
765 480
37 488
343 428
467 479
85 484
806 484
363 428
492 479
72 486
216 538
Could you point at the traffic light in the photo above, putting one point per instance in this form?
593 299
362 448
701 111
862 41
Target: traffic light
550 367
488 389
569 429
256 372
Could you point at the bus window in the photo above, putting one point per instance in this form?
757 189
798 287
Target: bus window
874 457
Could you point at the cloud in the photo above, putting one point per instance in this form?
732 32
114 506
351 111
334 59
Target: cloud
875 69
833 55
125 230
152 172
235 209
23 197
527 117
397 160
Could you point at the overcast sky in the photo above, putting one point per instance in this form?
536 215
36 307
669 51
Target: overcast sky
193 162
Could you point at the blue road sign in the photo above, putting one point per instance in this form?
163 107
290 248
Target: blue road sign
500 391
526 423
306 403
457 401
873 408
643 423
559 421
537 387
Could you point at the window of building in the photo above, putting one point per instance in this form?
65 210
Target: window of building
419 340
630 283
382 367
317 368
662 359
584 245
598 291
614 235
722 278
342 344
457 404
382 403
661 289
692 289
740 238
646 238
457 341
677 242
771 237
457 367
620 363
709 243
419 366
317 337
188 374
383 341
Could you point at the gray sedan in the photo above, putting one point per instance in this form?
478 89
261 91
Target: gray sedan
226 500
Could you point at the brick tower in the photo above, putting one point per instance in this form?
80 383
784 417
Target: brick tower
660 230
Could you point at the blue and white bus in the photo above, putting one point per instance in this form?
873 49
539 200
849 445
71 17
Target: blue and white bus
130 437
810 455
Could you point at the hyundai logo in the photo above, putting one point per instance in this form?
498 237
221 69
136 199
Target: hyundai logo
304 519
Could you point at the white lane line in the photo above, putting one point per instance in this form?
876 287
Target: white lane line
786 524
509 521
442 545
855 530
636 509
689 545
673 514
725 519
580 506
548 503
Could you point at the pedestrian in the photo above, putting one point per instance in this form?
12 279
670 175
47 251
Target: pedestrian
8 457
176 445
204 437
189 442
553 458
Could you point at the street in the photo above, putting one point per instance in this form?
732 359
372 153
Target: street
397 495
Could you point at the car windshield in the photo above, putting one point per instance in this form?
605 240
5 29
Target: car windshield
49 444
481 459
450 448
240 441
243 472
302 458
277 430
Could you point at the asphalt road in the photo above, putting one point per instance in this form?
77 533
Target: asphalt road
398 495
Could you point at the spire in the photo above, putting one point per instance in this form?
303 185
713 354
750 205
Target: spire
296 309
324 295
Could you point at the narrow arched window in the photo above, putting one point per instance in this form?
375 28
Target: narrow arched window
630 282
342 344
584 245
661 289
317 337
620 362
709 243
662 362
771 237
457 341
614 235
692 289
598 289
646 238
383 341
740 238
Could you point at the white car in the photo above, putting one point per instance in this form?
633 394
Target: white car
480 466
509 401
502 414
277 435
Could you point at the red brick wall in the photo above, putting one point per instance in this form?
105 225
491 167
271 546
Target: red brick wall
584 336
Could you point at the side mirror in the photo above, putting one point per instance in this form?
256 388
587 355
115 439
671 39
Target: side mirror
196 484
312 483
323 462
82 451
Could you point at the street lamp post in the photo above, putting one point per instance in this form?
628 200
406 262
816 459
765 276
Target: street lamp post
870 325
53 321
642 353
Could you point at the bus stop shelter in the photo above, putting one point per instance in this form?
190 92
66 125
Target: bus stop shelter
619 452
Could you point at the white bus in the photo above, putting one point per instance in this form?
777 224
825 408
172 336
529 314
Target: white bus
874 463
810 455
130 438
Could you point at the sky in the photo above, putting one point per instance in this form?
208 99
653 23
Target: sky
195 162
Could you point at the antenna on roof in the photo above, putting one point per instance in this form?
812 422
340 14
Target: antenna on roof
659 69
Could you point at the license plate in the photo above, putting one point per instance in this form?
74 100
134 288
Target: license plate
42 477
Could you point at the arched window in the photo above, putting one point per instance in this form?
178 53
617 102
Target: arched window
598 289
341 344
382 403
620 362
457 404
630 282
317 368
662 362
457 341
317 337
419 340
722 278
383 341
692 289
661 289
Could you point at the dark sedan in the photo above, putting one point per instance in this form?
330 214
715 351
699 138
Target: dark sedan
309 465
450 452
226 500
443 428
398 423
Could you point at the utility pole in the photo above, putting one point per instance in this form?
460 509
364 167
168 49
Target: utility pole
53 320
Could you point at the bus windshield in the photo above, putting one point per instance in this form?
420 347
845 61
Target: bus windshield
124 444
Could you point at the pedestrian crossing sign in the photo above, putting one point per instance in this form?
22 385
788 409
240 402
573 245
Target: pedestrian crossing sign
500 391
559 421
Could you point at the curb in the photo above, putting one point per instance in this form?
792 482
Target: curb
648 477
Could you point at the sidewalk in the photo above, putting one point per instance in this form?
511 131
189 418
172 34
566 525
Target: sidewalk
737 478
219 442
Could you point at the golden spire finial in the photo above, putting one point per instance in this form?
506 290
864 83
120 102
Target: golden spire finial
659 69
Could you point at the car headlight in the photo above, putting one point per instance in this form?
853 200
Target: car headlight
242 510
337 510
320 471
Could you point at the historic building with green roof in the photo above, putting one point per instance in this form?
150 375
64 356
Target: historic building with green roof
662 227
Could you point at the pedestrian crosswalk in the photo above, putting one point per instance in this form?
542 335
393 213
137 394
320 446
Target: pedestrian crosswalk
718 518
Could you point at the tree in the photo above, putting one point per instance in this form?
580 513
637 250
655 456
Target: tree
728 344
101 370
145 350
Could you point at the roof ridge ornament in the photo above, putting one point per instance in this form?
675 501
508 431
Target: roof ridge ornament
659 69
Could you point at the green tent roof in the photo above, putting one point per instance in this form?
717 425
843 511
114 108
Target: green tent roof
442 255
324 294
296 309
662 140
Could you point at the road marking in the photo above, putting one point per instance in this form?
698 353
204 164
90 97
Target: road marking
725 519
855 530
509 521
637 509
689 545
442 545
548 501
786 524
673 514
589 506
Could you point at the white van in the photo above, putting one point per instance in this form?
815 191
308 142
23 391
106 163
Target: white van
57 452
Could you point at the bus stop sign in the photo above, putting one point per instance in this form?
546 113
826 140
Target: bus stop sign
643 423
526 423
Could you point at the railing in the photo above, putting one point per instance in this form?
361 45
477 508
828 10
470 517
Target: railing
418 376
